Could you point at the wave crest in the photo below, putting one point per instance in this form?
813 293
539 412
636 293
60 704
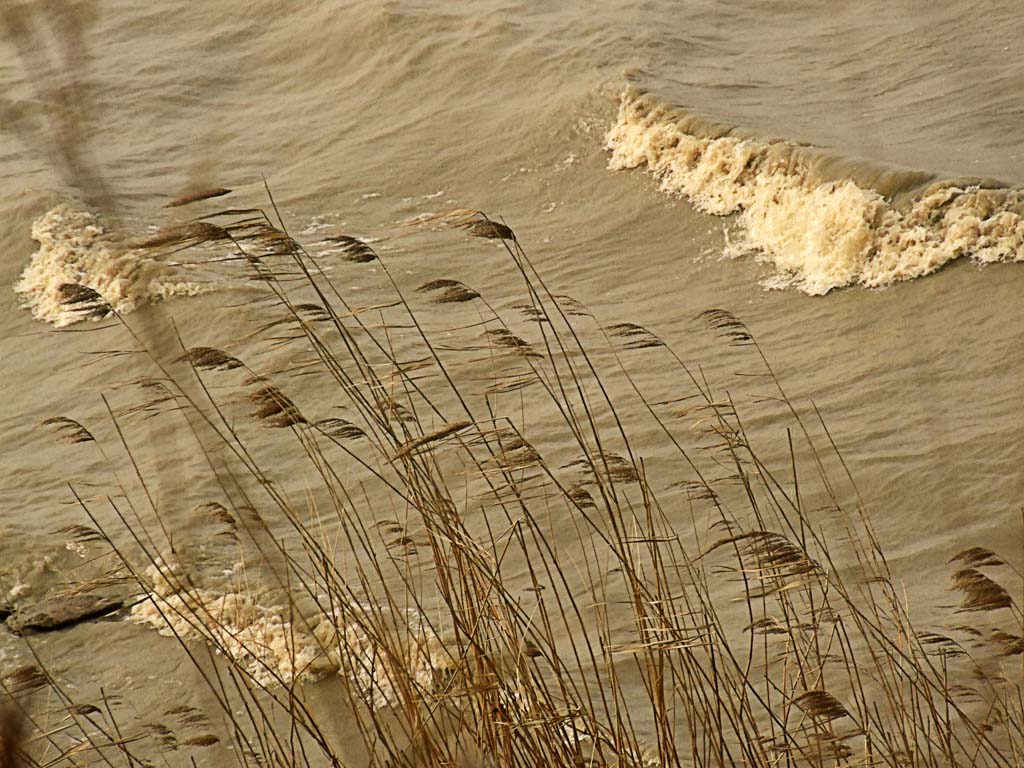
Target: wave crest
822 221
74 247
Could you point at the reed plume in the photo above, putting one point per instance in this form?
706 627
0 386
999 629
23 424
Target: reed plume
482 589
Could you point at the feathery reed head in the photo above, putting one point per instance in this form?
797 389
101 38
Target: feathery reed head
489 229
980 592
84 301
274 408
821 705
635 336
728 326
189 234
196 196
24 680
977 557
448 291
503 337
215 511
580 496
430 437
82 534
312 313
339 429
1007 644
209 359
69 430
352 248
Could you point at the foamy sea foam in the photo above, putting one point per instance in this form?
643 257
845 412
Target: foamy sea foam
256 627
75 248
823 222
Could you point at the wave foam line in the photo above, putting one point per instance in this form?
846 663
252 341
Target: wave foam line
823 222
75 248
256 628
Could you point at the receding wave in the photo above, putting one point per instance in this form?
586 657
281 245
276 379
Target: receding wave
822 221
74 248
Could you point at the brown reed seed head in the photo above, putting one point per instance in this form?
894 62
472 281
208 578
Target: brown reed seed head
84 301
215 511
821 705
635 336
80 533
190 233
502 337
339 429
980 592
580 496
1008 645
274 408
202 740
197 195
489 229
209 359
352 248
430 437
977 557
69 430
728 326
448 291
24 680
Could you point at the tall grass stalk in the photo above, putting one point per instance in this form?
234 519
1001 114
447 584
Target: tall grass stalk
464 594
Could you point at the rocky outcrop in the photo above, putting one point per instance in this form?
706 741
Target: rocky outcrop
59 612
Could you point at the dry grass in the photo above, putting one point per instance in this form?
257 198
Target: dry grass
478 597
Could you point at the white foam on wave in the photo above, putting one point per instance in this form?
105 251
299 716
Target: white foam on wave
252 625
75 248
818 233
257 628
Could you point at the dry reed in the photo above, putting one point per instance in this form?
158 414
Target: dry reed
477 602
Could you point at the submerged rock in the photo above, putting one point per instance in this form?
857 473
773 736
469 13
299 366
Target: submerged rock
60 612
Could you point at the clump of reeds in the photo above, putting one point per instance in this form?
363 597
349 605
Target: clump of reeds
479 602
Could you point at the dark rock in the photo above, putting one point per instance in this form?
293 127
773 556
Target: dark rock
60 612
5 610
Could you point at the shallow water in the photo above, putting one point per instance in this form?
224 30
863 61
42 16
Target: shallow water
363 115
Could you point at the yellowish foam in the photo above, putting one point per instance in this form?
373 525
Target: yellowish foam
255 627
819 233
75 248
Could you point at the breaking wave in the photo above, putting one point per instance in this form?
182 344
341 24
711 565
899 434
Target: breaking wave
74 248
263 630
820 220
260 628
